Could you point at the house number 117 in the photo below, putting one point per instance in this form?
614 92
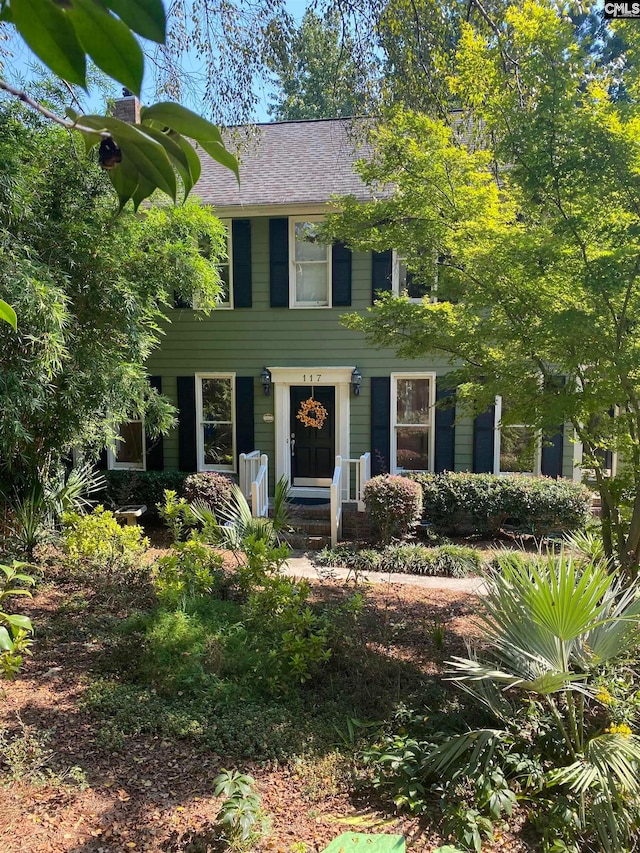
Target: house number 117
310 377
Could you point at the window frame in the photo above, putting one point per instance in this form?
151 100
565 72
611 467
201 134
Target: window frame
112 461
396 261
226 469
430 427
537 458
293 303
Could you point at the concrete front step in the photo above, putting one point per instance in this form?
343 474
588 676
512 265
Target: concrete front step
303 542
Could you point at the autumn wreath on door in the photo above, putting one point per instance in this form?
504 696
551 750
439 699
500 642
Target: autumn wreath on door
312 413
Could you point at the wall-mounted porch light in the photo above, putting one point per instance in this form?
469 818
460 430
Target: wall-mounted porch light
356 381
265 379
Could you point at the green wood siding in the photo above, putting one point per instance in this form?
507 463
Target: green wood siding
243 341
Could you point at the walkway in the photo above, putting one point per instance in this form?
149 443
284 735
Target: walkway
302 567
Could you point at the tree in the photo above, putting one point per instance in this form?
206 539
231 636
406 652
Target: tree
315 73
526 206
91 291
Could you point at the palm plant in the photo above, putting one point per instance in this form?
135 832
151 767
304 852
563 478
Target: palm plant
550 625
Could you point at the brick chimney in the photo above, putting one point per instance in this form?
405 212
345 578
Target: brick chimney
127 108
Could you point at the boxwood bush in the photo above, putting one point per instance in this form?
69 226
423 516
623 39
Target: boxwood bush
463 503
141 487
394 506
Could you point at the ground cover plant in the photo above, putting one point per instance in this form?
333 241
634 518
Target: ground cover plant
448 560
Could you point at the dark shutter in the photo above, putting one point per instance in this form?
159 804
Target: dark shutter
187 455
445 432
381 272
552 447
155 446
245 439
483 437
101 464
241 248
380 424
279 262
181 301
340 275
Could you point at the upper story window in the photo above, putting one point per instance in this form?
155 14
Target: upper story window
129 450
412 419
225 269
406 283
215 405
519 445
309 264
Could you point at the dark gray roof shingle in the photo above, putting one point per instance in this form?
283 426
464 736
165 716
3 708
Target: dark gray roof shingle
288 163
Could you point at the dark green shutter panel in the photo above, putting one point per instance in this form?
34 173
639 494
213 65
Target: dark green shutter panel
340 275
187 454
552 447
245 439
279 262
483 435
445 432
381 272
101 464
180 301
155 446
241 248
380 425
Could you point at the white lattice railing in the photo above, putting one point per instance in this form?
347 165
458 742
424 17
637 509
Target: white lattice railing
356 474
260 490
248 471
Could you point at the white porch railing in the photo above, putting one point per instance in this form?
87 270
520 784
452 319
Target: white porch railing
248 471
260 490
349 478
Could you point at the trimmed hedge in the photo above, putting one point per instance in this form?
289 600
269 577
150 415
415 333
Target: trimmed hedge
141 487
394 506
452 561
462 503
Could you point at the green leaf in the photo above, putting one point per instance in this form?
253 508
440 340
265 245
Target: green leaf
195 166
124 178
16 620
181 119
143 190
6 643
8 315
51 36
175 154
219 153
109 42
145 17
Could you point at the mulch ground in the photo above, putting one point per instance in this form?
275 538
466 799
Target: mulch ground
156 795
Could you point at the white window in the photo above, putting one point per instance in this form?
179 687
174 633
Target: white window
309 265
405 283
518 448
129 451
412 421
225 300
225 268
215 405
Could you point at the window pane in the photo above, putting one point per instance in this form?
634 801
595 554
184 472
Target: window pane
218 444
223 299
517 449
311 283
416 289
129 445
413 401
216 399
307 248
413 449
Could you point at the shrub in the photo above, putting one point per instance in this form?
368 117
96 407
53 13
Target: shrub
141 487
463 503
211 488
192 569
394 505
454 561
96 544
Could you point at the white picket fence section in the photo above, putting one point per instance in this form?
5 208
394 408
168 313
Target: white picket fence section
349 478
260 490
253 476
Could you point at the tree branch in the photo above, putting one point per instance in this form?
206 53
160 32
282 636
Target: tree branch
47 113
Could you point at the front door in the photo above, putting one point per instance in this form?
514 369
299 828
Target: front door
313 448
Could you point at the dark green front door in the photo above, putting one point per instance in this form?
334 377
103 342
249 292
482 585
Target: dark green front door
313 450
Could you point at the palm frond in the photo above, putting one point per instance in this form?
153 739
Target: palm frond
476 747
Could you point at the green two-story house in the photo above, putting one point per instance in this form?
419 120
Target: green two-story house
272 369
